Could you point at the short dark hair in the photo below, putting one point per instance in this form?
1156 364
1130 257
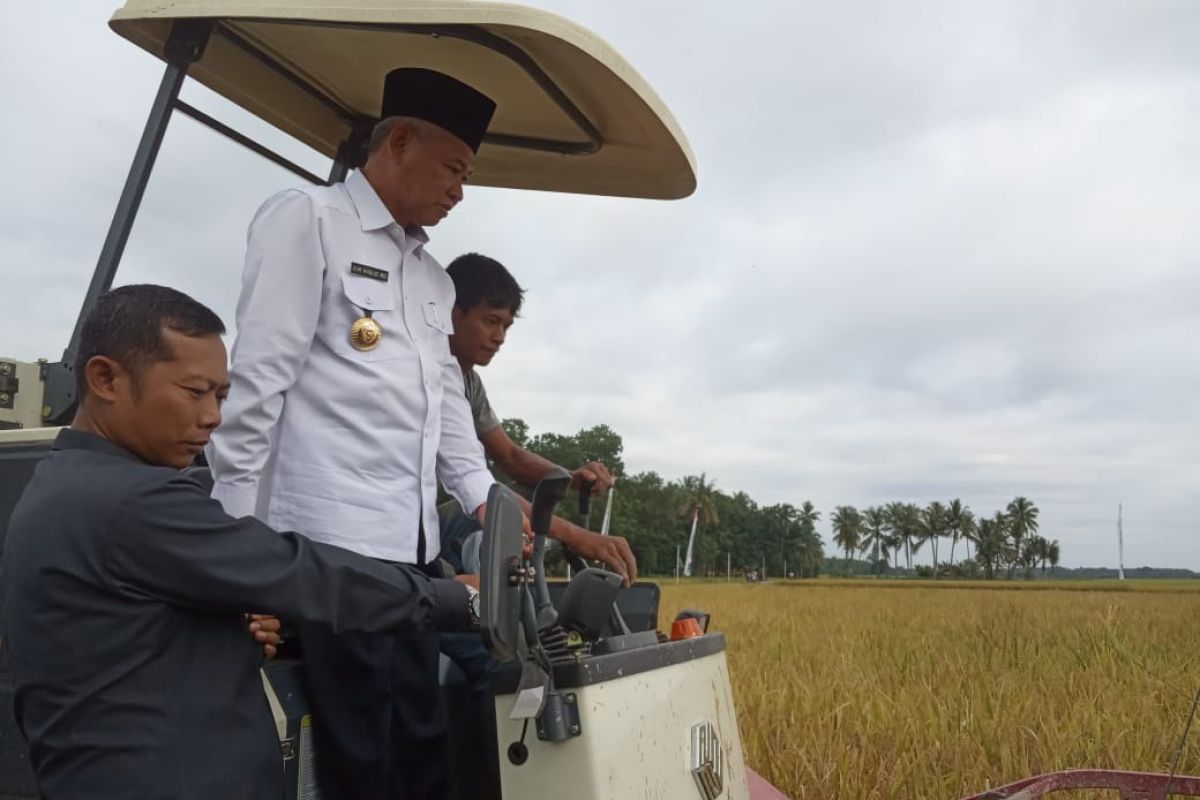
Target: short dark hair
127 326
479 279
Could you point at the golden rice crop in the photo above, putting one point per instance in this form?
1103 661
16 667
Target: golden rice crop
903 690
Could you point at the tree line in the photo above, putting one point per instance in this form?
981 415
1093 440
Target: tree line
731 531
1003 542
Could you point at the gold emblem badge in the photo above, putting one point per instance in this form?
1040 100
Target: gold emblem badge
365 334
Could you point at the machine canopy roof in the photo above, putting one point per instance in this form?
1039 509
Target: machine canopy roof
572 115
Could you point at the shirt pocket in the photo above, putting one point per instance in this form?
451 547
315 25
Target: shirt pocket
367 297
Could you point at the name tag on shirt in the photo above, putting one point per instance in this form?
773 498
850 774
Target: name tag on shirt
368 272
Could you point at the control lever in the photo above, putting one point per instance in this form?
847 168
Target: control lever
536 696
585 514
551 489
585 504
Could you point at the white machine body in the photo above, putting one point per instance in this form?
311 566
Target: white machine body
665 730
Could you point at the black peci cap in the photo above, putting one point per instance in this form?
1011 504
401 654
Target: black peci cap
446 102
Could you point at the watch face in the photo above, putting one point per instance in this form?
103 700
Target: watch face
474 603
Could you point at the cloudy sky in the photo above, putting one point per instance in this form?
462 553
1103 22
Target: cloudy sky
938 249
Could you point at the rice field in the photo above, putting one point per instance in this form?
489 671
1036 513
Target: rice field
898 689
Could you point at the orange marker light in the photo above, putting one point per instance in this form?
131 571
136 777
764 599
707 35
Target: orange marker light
687 628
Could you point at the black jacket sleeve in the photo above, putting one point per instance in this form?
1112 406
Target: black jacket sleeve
173 542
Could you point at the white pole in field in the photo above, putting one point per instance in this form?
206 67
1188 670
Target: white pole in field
728 565
687 561
676 562
764 572
1120 545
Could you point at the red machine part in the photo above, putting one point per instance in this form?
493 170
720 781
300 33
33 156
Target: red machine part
760 789
1125 785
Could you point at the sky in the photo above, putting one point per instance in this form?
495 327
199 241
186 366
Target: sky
937 249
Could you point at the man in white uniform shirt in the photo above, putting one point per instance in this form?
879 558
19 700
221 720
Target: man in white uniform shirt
346 407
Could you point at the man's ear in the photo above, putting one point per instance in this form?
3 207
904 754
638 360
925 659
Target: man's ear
400 139
104 376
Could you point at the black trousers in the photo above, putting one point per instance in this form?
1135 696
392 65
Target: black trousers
378 723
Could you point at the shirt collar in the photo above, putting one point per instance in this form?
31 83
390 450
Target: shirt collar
372 213
72 439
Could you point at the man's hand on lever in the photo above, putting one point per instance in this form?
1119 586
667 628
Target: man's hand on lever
595 474
613 551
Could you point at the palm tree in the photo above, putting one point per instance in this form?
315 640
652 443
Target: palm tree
905 522
782 522
1039 548
993 547
970 531
1022 521
808 515
894 541
874 534
1009 548
957 515
807 518
1052 555
1033 552
934 527
894 517
847 525
812 552
700 506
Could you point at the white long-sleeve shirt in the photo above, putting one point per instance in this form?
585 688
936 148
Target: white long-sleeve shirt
340 444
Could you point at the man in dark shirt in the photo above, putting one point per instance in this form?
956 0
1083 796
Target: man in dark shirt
124 583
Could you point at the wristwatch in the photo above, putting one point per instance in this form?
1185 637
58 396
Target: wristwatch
472 606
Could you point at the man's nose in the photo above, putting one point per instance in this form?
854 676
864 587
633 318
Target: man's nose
210 416
456 191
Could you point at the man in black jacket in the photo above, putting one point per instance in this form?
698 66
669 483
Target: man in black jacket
124 583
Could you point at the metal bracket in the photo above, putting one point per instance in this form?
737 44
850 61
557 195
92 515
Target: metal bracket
9 384
559 719
187 41
59 394
352 152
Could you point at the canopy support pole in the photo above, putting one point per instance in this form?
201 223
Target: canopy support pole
245 141
185 46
